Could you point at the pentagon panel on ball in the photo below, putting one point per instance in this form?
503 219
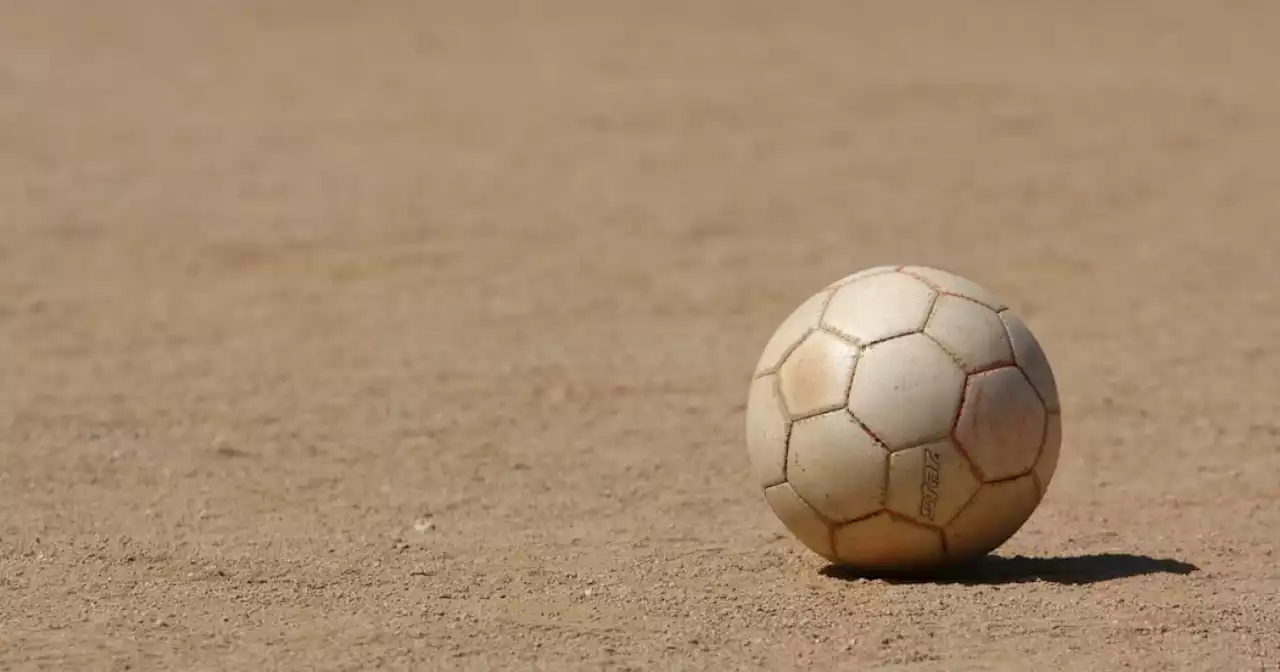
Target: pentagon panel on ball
901 419
907 391
1002 423
836 466
815 377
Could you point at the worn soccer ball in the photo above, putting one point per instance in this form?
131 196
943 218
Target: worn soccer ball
903 418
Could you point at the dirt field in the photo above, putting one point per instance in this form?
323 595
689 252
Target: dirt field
351 335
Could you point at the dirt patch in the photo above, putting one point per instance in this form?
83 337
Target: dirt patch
349 335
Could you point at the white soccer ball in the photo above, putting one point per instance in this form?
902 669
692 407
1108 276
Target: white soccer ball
903 418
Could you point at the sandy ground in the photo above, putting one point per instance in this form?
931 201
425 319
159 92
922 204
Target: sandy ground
349 335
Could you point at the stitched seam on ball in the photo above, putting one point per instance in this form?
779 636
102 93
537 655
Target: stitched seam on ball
785 354
820 515
940 289
786 415
996 366
1014 349
828 329
1021 474
944 435
826 303
829 408
880 442
1048 416
859 519
955 436
1044 436
1044 431
848 390
826 523
911 521
926 283
933 309
1040 487
954 357
891 337
1044 443
967 503
921 278
885 483
997 309
809 331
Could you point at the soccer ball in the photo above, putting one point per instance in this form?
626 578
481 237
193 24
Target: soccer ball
903 418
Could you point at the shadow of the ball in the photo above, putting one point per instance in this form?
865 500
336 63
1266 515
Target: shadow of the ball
994 569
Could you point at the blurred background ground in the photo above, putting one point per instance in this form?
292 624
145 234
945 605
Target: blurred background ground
416 334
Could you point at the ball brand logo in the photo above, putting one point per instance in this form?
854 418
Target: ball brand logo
929 484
